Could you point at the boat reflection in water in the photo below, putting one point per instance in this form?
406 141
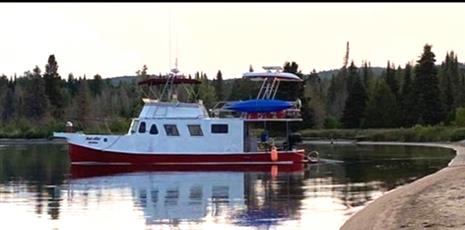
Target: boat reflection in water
177 194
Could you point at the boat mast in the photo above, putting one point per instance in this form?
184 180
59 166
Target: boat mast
169 39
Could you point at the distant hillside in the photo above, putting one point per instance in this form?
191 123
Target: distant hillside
126 79
325 74
462 66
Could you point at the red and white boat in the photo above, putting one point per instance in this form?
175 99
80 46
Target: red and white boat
170 132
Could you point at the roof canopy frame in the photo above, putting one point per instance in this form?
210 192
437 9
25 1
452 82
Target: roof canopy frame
168 82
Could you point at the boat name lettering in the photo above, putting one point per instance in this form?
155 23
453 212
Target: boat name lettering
93 138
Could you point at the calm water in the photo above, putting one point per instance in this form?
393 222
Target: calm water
39 190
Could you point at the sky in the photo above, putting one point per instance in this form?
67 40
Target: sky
116 39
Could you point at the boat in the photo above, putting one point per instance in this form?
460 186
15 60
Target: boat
169 131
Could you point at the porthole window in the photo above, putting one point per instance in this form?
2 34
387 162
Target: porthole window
142 127
153 129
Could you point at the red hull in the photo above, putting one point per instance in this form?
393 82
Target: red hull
82 154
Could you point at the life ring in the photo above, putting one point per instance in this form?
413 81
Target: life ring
312 157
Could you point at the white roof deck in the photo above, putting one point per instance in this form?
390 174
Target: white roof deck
156 109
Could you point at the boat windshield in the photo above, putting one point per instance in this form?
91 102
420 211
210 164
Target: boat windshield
134 125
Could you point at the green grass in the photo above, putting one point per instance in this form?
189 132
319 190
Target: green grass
415 134
22 128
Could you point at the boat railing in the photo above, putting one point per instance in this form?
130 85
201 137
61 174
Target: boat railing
219 111
292 114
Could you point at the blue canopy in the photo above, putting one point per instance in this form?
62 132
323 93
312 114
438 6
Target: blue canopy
259 105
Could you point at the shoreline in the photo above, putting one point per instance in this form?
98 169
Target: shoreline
435 200
25 141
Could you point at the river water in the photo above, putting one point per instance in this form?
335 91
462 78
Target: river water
40 190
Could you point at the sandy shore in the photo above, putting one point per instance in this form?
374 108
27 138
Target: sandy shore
436 201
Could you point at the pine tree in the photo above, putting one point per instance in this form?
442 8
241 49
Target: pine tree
290 90
367 75
354 110
142 74
144 90
306 111
243 90
407 99
3 91
219 86
72 85
9 105
96 85
82 102
449 84
382 110
429 109
206 92
36 102
338 90
454 78
391 79
196 88
352 74
461 93
314 90
53 87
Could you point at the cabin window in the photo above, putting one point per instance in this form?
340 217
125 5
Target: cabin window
195 130
142 127
219 128
171 130
153 129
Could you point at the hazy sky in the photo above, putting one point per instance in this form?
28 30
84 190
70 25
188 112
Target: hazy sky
115 39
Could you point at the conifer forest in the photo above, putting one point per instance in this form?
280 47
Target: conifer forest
429 92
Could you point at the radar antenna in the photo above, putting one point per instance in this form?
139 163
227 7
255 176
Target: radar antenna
270 68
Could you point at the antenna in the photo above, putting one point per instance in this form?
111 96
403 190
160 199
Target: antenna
270 68
169 39
176 61
175 69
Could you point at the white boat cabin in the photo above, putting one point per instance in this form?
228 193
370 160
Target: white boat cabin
184 127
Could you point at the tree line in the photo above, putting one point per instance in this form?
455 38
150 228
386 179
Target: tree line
419 93
40 102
